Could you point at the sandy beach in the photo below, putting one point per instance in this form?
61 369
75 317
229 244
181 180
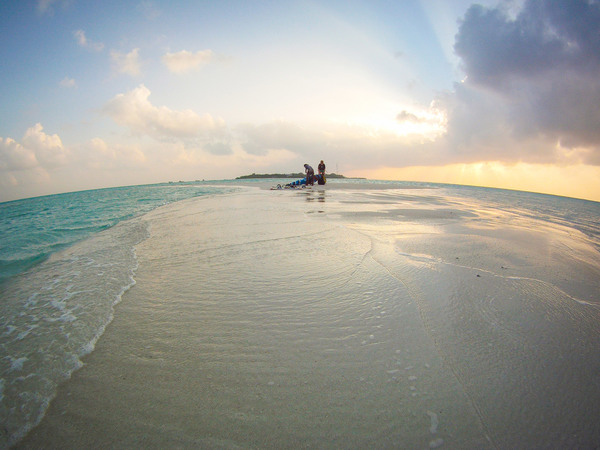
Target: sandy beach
344 316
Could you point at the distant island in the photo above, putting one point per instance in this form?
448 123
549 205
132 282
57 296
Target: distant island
284 175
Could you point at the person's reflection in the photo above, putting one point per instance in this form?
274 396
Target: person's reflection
311 196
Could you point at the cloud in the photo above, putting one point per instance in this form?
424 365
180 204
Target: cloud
149 10
48 149
234 162
85 43
259 139
545 36
13 156
134 110
532 88
46 6
67 82
185 61
37 149
101 155
352 145
128 63
218 148
405 116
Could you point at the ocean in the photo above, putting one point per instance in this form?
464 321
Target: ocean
227 253
65 261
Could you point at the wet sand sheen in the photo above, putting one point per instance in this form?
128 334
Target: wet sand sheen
265 319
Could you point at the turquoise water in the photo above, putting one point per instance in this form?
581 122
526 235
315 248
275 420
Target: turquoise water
65 261
34 228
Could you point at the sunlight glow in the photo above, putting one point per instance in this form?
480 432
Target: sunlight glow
428 124
580 181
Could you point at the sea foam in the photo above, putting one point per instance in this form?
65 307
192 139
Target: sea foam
69 302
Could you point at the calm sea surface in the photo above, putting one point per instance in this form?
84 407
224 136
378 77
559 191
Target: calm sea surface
66 260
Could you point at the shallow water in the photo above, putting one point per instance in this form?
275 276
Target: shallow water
33 229
512 303
65 261
344 318
410 316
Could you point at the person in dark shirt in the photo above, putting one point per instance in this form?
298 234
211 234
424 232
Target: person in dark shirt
321 176
321 168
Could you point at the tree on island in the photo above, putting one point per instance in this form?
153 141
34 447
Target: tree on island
283 175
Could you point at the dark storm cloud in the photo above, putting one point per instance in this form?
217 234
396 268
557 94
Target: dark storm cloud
547 35
535 76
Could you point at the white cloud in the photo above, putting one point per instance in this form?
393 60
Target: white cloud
67 82
13 156
149 10
101 155
351 145
134 110
259 139
83 41
9 181
26 166
176 158
185 61
128 63
48 149
407 116
46 6
36 149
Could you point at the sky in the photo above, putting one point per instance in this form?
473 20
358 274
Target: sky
500 93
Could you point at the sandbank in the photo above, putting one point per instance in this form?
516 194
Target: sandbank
343 317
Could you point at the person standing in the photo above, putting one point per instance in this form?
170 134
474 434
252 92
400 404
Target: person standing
321 169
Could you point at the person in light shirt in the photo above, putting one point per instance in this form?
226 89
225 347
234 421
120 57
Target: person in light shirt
310 174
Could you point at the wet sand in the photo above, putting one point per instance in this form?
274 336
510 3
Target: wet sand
343 318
